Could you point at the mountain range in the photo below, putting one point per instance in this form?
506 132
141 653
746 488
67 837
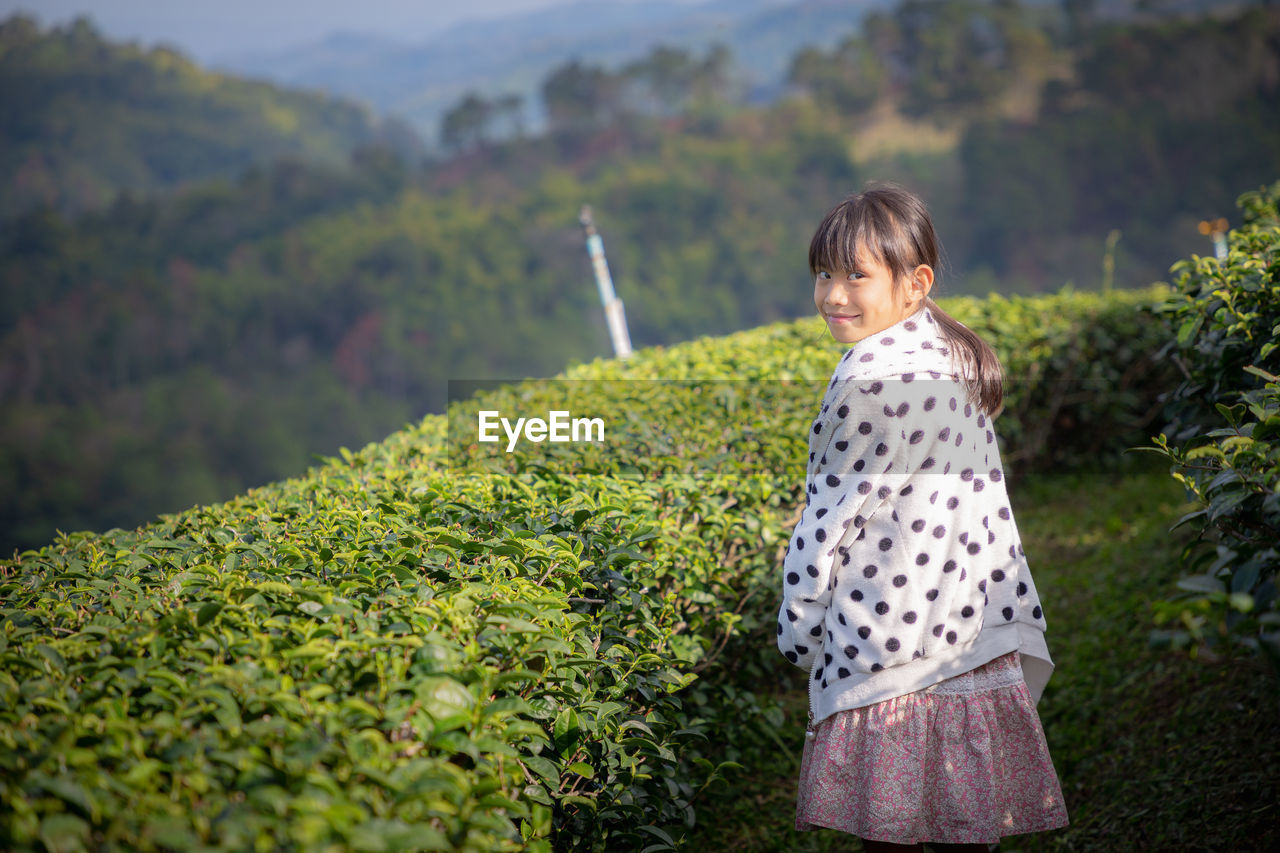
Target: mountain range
421 81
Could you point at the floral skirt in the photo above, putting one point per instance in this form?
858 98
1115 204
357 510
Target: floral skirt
962 761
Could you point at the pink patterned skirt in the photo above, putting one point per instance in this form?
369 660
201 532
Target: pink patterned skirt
962 761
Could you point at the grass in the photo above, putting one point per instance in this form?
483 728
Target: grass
1154 750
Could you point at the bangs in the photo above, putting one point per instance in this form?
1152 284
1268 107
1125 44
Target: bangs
856 225
834 247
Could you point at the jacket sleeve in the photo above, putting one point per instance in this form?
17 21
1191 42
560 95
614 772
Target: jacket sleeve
860 447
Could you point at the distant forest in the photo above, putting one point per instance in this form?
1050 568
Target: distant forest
85 118
195 336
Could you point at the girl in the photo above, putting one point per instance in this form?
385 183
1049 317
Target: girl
906 593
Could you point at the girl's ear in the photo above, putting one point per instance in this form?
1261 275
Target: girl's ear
921 281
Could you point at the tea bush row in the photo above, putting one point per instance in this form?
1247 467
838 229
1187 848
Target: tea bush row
430 644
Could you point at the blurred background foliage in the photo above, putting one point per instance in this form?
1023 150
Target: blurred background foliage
205 281
86 118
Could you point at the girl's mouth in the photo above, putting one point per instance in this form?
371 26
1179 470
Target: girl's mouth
842 318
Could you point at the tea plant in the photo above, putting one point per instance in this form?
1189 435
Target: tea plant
1227 321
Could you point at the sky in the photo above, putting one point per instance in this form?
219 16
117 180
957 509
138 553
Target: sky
207 31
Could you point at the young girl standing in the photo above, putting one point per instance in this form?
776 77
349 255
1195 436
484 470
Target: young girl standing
906 593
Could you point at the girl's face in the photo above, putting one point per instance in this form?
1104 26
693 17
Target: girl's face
861 302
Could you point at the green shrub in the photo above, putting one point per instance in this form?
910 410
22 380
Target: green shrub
1227 321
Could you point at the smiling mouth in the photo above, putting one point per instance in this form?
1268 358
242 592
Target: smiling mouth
838 317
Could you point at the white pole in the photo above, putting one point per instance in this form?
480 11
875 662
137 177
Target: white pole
613 313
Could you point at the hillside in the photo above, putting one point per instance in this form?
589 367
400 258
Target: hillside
86 119
421 81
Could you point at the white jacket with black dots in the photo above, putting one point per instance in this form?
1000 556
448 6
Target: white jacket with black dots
906 567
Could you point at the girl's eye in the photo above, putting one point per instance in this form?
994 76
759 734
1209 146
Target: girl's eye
854 276
824 274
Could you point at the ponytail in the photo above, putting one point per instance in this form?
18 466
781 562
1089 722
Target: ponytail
980 367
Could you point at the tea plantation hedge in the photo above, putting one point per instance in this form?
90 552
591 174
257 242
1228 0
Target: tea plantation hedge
430 644
1225 435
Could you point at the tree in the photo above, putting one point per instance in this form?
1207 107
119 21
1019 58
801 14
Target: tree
667 75
509 110
712 77
580 96
466 124
1080 17
851 78
957 54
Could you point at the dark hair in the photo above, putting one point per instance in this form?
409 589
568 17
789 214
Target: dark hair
893 224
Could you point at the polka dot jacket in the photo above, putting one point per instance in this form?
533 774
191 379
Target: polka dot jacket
906 567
